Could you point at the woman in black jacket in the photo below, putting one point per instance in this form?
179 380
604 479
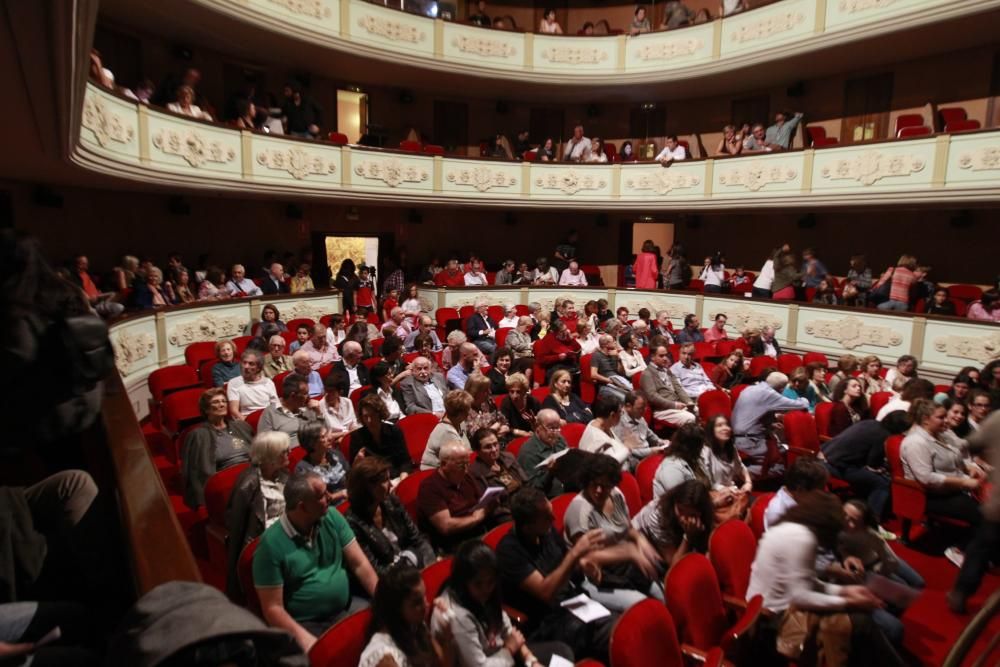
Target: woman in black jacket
347 282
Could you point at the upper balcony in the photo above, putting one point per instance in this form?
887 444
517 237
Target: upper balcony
785 30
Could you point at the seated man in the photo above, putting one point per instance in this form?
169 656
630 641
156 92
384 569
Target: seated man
102 302
239 284
754 414
300 569
765 345
662 326
633 430
558 350
276 361
807 475
425 326
665 394
606 369
544 442
690 373
351 364
538 571
319 349
672 151
691 333
481 329
756 142
451 275
250 391
717 331
475 277
779 136
303 366
460 372
293 410
423 391
399 323
573 276
448 502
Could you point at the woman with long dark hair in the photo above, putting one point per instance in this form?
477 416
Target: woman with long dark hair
849 406
683 460
714 273
730 481
347 282
679 522
482 631
677 274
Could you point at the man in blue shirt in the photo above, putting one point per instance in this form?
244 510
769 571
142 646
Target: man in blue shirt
813 270
779 136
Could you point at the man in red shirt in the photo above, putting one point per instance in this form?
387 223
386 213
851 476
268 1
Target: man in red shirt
451 276
101 301
559 350
718 331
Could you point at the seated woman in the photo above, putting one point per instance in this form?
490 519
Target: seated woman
729 373
398 635
228 366
598 437
380 437
630 355
940 304
302 281
183 104
323 457
557 349
825 293
846 366
182 290
257 499
871 378
784 574
493 467
497 375
484 413
457 405
569 406
597 151
630 565
268 313
679 522
213 287
359 333
385 532
519 407
987 308
849 406
546 152
731 142
424 345
816 371
380 378
627 153
520 344
335 408
799 387
453 343
470 611
216 445
149 293
729 479
587 337
683 461
548 25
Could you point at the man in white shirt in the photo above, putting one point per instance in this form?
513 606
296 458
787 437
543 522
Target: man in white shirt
252 390
578 147
633 429
545 274
690 373
351 363
672 151
805 476
475 277
239 284
573 276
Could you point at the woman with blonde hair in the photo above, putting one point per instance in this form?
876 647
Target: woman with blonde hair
871 378
302 281
519 406
569 406
895 284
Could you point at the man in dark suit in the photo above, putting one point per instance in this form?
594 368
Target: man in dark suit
481 329
274 281
424 391
351 364
766 344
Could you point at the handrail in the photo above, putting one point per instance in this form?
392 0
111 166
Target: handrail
963 645
158 549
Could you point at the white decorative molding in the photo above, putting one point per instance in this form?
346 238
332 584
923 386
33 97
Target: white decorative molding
471 299
983 349
745 317
764 28
570 182
193 147
391 172
304 310
663 182
481 178
426 305
756 175
392 30
853 6
986 158
206 327
106 125
481 46
131 348
575 55
311 8
674 310
872 166
676 48
851 332
295 161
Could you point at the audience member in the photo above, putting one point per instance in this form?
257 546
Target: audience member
451 504
599 437
251 390
766 344
276 361
690 374
495 468
849 406
561 399
381 385
357 372
301 364
729 479
423 391
274 281
666 396
226 367
640 23
675 15
871 378
892 291
380 437
218 443
425 327
754 415
846 367
672 151
912 390
684 460
805 477
519 407
323 458
319 349
679 522
578 147
799 387
573 276
731 142
292 411
729 372
183 104
335 408
987 308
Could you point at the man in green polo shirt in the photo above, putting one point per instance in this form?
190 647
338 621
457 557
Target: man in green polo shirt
300 567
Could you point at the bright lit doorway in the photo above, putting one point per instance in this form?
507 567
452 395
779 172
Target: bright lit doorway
361 249
352 114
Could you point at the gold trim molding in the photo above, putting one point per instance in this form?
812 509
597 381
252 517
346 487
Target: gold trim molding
391 172
131 348
662 183
854 6
304 310
207 326
570 182
983 349
757 175
986 158
743 317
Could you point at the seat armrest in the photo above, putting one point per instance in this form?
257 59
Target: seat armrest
746 622
517 616
712 658
735 603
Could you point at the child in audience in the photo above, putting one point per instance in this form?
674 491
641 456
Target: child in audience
302 335
740 279
364 294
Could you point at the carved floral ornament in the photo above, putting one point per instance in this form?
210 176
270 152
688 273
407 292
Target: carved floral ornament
666 50
764 28
206 326
872 166
744 317
295 161
106 125
193 147
570 182
310 8
481 178
480 46
757 175
983 349
852 332
852 6
392 30
986 158
470 300
575 55
426 305
662 182
304 310
131 348
391 172
675 311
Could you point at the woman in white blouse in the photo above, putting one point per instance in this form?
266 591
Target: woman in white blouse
598 437
510 317
336 409
714 273
548 24
597 151
631 355
185 104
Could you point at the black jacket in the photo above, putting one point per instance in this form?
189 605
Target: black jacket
362 371
757 347
381 552
477 323
268 286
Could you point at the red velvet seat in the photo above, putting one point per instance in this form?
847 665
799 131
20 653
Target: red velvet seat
906 120
496 313
417 430
822 416
801 435
356 397
644 474
434 576
540 392
465 312
180 409
788 362
909 497
878 401
241 343
759 364
205 369
814 358
254 418
715 402
757 513
588 390
492 538
218 488
917 131
441 318
731 548
735 392
166 380
645 635
279 379
244 573
630 489
195 352
559 505
337 138
967 293
705 351
433 149
411 146
514 446
962 126
343 644
293 325
817 136
502 335
407 490
572 433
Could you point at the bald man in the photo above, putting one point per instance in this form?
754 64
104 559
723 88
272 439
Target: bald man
351 364
448 502
544 442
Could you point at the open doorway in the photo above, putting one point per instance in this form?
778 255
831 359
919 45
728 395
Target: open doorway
352 114
359 249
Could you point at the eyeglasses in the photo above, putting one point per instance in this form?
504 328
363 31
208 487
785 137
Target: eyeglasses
980 405
557 427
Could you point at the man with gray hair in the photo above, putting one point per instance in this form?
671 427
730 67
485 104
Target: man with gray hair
293 411
399 322
451 505
754 416
301 566
239 284
351 364
546 441
425 326
606 369
423 391
481 329
303 366
319 349
250 391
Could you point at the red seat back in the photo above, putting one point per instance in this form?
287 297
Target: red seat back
433 149
540 393
759 364
408 489
169 379
295 455
715 402
732 548
952 115
816 357
559 505
356 397
816 133
338 138
788 363
180 409
218 488
241 343
244 573
645 635
735 392
893 445
495 313
917 131
254 418
572 433
822 415
416 430
757 514
644 474
412 146
695 601
878 401
800 431
205 370
293 325
492 538
434 576
962 126
630 489
502 335
588 391
906 120
968 293
465 312
705 351
514 446
195 352
343 644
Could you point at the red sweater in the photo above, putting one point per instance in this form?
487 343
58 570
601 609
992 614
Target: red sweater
444 279
551 347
